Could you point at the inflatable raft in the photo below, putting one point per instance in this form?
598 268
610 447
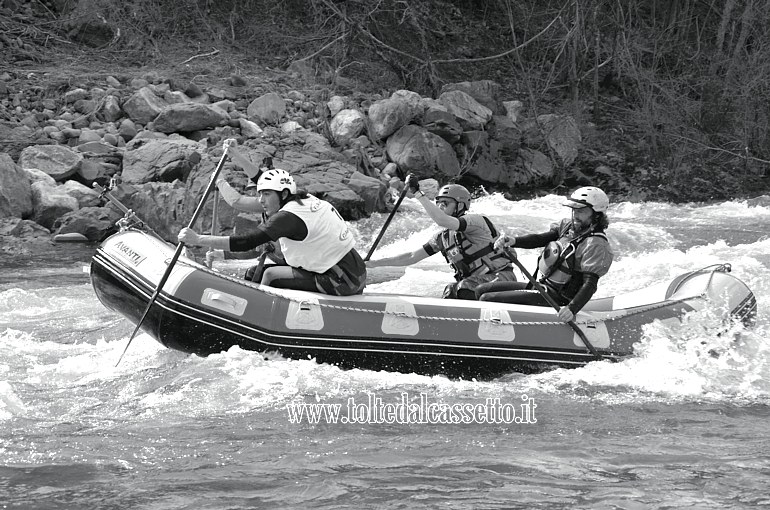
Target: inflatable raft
203 311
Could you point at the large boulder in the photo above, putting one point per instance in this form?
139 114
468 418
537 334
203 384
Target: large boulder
58 161
471 114
415 150
346 125
15 190
335 105
96 223
20 238
267 109
486 92
186 117
85 196
49 203
371 190
562 135
414 101
144 106
387 116
23 229
160 205
16 137
443 124
534 168
110 110
34 175
160 160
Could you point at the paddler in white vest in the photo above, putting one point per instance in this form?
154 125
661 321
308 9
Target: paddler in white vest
466 242
315 241
249 204
576 255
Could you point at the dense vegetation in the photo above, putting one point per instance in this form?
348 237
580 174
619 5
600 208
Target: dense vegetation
673 96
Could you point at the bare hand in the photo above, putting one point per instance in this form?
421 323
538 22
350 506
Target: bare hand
228 144
213 255
503 241
188 236
565 314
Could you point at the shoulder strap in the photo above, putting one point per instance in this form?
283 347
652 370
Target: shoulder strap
492 229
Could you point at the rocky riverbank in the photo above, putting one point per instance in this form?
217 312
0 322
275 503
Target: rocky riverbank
161 139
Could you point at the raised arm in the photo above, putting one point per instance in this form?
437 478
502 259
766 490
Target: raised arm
236 200
437 215
242 161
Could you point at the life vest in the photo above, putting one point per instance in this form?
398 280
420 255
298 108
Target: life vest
557 263
456 249
328 237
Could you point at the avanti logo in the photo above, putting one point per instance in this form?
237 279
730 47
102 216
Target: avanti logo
128 253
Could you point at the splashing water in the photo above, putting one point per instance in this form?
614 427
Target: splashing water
167 430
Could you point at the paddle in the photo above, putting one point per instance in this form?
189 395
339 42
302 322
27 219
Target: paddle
390 217
179 248
551 302
214 227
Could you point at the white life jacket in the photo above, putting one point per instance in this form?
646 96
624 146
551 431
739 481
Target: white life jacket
328 237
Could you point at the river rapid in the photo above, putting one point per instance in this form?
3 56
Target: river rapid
673 427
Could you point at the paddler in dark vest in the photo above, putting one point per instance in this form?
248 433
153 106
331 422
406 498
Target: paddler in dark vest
466 242
315 241
576 255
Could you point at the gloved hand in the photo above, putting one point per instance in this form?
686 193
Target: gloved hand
413 183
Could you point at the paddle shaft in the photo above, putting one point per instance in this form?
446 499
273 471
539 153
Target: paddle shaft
261 264
177 252
387 222
551 302
214 223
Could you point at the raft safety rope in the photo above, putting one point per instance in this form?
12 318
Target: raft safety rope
495 320
714 268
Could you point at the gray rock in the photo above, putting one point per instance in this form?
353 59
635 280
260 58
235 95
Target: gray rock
186 117
269 109
469 113
49 203
443 124
143 106
486 92
15 190
346 125
96 223
164 160
415 150
56 160
387 116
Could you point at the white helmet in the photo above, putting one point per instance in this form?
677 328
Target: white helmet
277 180
588 197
